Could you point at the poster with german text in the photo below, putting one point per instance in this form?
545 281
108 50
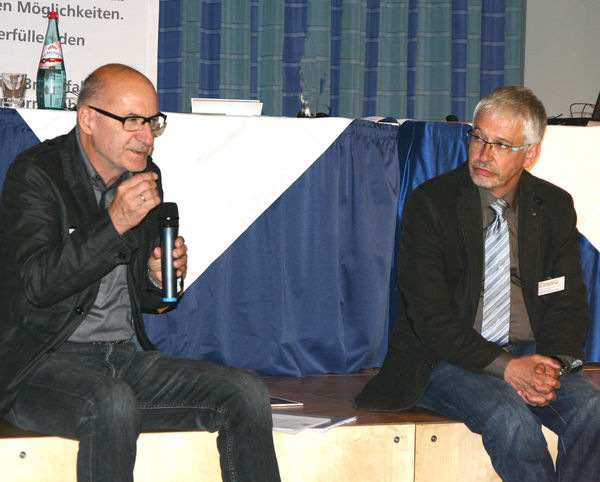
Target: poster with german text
93 33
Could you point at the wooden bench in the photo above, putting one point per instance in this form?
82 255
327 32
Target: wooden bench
407 446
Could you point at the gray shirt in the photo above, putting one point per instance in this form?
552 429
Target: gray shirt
110 318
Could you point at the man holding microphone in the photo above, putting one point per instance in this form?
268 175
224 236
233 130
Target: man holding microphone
81 260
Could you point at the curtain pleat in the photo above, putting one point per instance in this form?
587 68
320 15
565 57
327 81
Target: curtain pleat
170 48
371 58
253 49
293 51
335 56
492 45
209 64
459 58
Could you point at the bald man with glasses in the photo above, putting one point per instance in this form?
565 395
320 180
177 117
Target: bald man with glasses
493 312
81 260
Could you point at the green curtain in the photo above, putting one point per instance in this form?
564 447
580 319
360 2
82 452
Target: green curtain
421 59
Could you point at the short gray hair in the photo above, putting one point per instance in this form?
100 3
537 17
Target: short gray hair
521 103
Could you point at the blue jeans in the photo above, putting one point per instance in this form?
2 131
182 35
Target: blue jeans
104 394
511 429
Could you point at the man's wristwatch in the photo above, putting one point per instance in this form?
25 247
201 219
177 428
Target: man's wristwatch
566 367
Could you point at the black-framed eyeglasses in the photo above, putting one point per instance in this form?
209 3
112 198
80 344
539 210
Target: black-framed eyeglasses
133 123
499 147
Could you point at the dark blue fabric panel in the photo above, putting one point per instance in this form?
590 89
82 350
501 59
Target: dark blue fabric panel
459 58
15 137
170 38
254 49
210 49
169 99
371 59
170 13
169 44
293 50
305 289
371 50
492 45
295 17
411 64
370 101
169 77
336 55
494 7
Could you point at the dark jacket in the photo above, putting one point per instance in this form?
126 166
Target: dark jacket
56 246
440 266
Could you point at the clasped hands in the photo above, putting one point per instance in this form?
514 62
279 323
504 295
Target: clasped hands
134 199
534 377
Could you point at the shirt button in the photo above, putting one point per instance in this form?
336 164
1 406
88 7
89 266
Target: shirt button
79 310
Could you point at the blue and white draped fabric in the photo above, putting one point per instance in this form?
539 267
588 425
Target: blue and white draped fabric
291 225
303 287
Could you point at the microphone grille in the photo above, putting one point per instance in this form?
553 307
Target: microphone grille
168 212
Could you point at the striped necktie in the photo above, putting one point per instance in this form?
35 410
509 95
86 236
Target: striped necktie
496 288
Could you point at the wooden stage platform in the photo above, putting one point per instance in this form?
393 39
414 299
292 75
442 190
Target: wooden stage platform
379 447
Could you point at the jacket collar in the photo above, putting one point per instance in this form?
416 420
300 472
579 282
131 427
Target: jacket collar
76 174
470 223
530 227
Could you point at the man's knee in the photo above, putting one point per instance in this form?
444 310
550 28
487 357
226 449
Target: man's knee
251 392
587 414
113 403
515 424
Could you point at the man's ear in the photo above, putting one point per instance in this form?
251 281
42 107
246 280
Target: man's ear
531 155
84 119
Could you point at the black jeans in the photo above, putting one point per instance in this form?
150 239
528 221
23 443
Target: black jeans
103 395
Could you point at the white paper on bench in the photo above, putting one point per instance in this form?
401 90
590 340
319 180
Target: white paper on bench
294 423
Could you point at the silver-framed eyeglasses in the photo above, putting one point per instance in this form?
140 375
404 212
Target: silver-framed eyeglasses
499 147
133 123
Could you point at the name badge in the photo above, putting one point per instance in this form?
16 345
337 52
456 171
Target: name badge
551 286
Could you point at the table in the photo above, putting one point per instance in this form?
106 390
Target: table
292 223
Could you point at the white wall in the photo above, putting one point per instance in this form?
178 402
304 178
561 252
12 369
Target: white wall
562 52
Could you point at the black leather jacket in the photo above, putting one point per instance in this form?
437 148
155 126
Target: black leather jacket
56 246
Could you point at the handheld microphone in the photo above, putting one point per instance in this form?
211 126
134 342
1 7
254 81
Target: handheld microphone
168 224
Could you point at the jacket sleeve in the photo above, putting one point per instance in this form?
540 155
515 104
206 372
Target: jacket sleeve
435 285
54 251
